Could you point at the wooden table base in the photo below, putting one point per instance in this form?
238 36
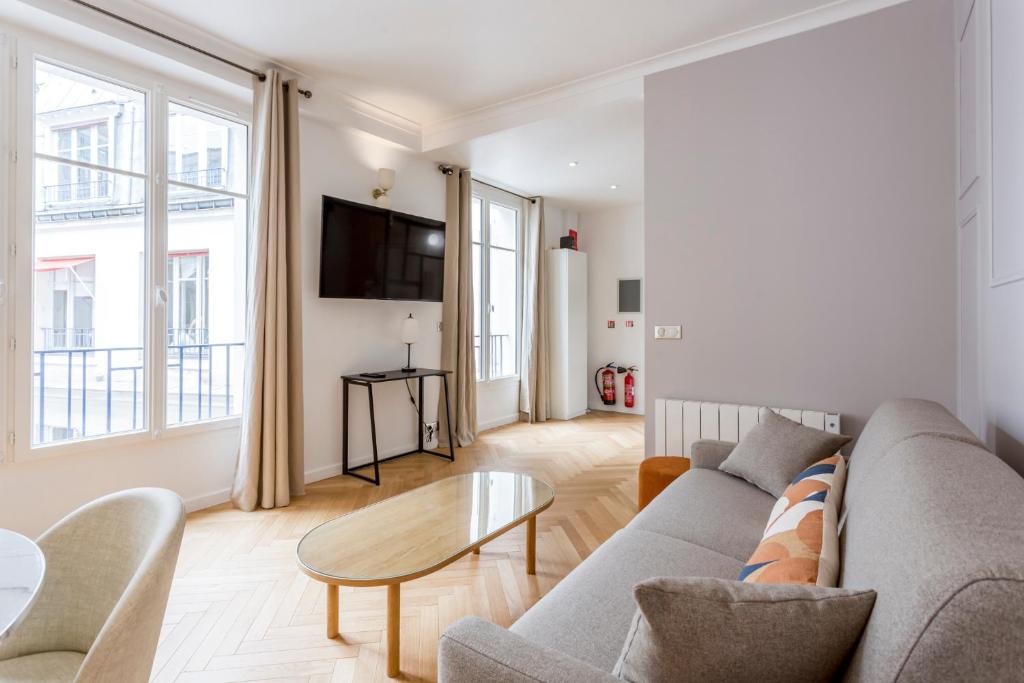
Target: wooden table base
394 628
394 625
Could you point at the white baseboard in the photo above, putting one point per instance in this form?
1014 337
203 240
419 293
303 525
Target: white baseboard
616 409
497 422
325 472
208 500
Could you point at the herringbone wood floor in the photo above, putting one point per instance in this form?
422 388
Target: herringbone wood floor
240 610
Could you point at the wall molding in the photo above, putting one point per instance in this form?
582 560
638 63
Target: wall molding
627 80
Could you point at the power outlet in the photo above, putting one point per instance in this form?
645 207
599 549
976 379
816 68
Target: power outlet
668 332
429 433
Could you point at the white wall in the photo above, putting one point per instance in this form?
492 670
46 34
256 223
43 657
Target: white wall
613 239
344 336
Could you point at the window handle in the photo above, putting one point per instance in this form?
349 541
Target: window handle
160 295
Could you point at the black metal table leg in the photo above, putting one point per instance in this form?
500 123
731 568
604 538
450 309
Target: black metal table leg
419 426
448 415
420 411
344 426
373 437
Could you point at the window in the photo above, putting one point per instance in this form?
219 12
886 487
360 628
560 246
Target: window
206 237
138 311
89 322
88 144
497 225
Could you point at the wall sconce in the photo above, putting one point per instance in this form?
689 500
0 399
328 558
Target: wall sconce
385 181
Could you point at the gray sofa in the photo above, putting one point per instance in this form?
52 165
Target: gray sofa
934 523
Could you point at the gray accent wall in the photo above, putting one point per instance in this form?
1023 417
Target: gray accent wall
799 219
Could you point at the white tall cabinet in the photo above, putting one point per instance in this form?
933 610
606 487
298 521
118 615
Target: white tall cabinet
567 332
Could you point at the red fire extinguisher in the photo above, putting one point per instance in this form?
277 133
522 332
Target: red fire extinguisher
629 390
606 384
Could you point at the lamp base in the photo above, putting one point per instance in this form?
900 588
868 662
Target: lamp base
409 369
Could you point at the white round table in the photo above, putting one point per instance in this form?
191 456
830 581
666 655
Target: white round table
22 566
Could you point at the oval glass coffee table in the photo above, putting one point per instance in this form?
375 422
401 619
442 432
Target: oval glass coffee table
419 532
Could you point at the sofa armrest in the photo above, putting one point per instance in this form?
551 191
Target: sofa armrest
473 650
708 454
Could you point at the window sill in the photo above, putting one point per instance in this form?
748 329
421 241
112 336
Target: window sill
128 439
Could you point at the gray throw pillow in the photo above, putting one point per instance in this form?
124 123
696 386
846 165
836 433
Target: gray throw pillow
777 449
704 629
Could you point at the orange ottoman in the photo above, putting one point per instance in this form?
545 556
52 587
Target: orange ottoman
657 473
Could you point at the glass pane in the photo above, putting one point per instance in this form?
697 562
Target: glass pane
81 112
477 312
213 150
88 340
206 275
477 212
503 338
503 226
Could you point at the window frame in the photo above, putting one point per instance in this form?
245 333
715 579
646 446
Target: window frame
17 236
491 195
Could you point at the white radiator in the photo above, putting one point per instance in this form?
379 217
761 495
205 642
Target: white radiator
678 423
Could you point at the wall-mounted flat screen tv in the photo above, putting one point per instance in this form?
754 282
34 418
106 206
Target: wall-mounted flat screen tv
367 252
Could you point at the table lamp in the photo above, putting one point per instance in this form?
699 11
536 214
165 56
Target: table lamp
410 330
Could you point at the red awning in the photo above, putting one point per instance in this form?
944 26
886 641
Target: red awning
46 264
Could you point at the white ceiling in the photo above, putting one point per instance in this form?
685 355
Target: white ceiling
514 90
605 141
432 59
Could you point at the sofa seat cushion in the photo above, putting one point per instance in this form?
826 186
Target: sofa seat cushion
588 614
711 509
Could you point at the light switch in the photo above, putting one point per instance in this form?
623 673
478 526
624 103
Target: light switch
668 331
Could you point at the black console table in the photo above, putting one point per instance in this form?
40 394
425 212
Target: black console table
368 380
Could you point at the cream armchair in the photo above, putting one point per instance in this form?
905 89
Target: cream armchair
97 618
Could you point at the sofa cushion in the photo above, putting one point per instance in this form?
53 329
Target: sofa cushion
700 629
588 614
938 533
893 422
801 540
777 449
711 509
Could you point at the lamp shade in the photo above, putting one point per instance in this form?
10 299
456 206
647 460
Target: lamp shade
410 330
386 178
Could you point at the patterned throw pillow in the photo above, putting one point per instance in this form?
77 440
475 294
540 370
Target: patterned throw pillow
801 541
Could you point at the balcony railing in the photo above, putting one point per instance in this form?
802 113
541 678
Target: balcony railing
498 345
187 336
67 337
204 177
94 392
77 192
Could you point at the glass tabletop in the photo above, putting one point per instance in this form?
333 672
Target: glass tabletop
421 530
21 572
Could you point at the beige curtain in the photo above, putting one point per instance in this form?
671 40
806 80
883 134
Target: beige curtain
270 468
534 392
457 312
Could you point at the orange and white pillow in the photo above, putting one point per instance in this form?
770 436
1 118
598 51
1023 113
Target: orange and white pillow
801 541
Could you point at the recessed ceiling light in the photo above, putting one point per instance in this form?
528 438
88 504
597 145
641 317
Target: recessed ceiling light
573 164
614 187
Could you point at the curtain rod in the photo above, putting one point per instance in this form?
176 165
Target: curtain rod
258 74
448 170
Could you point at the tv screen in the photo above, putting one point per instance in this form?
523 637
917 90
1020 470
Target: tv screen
371 253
